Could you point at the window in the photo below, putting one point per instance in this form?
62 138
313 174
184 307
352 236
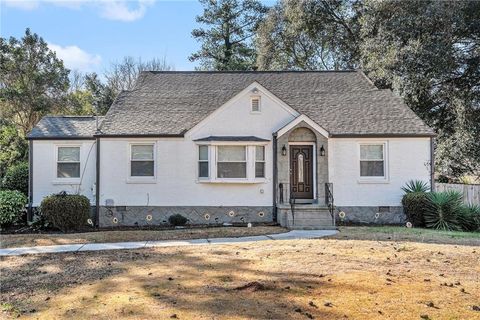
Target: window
142 162
203 162
255 104
231 162
68 162
259 162
372 160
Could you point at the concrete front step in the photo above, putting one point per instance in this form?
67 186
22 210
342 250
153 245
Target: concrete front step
307 217
329 227
311 214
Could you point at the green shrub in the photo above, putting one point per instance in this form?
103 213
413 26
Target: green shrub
443 209
416 186
414 204
16 178
177 220
469 217
66 211
11 205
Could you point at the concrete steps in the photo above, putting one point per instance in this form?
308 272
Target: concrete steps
307 217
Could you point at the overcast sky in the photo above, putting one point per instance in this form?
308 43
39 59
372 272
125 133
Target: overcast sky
88 35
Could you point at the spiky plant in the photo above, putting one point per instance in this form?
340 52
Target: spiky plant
416 186
442 210
469 217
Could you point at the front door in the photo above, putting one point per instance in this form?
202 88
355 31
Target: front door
301 172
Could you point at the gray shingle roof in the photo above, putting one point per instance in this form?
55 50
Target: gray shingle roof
65 127
343 102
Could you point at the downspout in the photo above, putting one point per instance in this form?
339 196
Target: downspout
432 164
30 180
97 184
275 177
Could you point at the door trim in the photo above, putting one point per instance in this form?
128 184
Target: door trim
314 150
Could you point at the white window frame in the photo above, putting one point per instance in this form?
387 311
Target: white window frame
259 98
262 161
250 160
245 161
207 161
62 180
141 179
374 179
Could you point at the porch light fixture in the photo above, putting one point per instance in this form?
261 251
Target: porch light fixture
284 150
322 151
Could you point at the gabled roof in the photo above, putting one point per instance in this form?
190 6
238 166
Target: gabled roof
63 127
342 102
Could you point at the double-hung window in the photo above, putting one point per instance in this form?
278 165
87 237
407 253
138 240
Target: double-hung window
231 162
259 162
372 161
203 162
142 160
68 162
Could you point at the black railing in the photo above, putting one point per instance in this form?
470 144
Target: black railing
329 201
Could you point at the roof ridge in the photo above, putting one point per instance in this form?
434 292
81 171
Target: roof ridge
70 116
245 71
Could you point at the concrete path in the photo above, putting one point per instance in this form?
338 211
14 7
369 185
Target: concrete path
294 234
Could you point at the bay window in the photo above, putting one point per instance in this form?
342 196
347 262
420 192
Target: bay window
259 162
231 162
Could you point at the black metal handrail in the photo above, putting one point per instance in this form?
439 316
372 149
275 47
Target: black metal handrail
329 200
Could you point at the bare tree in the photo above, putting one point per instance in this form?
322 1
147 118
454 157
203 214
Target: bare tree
123 75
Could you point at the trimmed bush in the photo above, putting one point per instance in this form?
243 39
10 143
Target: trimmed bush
16 178
12 204
469 217
177 220
66 211
414 204
414 201
442 210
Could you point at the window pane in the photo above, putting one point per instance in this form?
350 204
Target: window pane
203 169
68 170
142 169
231 153
144 152
68 153
371 152
260 153
371 169
231 170
260 170
203 153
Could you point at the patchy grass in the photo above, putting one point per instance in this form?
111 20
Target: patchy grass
389 233
30 240
296 279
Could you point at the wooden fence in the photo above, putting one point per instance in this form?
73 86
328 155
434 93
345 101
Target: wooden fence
471 192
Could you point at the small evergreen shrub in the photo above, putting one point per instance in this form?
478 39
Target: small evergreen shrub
414 201
177 220
12 203
443 209
66 211
469 217
16 178
414 204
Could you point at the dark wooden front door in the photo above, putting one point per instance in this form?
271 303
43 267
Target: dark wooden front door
301 171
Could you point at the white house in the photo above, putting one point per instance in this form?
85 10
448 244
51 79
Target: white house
237 147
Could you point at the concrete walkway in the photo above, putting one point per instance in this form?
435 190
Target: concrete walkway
294 234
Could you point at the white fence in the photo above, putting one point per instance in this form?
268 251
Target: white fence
471 192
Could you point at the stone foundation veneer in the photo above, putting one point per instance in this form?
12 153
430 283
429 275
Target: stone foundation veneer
137 215
371 215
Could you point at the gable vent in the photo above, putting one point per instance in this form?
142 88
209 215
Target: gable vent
256 104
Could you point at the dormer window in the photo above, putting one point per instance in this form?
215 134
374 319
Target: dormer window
255 104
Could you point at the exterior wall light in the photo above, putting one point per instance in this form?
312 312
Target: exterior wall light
284 150
322 151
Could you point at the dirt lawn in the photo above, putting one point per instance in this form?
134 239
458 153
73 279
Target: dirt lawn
48 239
296 279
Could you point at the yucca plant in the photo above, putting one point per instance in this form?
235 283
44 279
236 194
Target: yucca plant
442 210
469 217
416 186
